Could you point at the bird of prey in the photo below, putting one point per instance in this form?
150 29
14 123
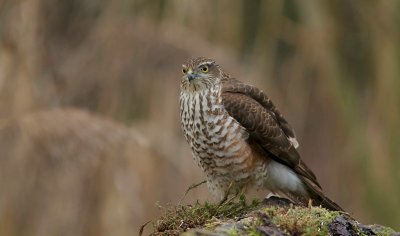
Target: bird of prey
239 138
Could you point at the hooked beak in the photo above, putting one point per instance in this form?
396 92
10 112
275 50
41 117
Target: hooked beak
191 76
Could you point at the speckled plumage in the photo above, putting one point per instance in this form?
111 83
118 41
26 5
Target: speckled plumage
239 138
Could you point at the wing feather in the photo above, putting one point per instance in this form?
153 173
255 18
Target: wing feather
235 86
266 126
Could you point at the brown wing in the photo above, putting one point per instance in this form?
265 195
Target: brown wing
266 126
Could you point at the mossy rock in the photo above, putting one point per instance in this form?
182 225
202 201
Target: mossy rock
236 217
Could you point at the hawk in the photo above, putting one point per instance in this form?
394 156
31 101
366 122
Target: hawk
239 138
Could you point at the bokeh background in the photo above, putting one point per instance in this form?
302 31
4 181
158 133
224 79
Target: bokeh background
90 139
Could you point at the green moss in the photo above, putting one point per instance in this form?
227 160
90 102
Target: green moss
233 232
301 220
251 229
254 233
177 219
235 217
382 231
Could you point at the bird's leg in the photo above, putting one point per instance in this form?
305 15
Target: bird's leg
238 191
227 192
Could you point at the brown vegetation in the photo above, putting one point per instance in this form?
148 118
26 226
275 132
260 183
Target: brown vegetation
67 172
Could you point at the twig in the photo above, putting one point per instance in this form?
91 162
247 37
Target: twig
190 188
142 227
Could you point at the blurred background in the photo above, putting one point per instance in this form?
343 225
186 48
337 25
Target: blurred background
90 139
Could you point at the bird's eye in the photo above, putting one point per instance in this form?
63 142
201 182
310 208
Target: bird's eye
184 70
204 69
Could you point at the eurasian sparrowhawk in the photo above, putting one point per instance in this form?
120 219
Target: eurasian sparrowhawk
238 137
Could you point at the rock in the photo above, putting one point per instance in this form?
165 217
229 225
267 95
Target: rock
274 217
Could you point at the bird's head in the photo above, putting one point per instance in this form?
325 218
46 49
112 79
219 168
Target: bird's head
200 73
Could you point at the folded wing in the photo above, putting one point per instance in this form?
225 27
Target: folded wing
265 124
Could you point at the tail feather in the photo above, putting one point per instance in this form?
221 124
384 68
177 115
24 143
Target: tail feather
318 197
329 204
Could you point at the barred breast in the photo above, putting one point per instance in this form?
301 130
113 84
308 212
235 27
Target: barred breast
218 142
